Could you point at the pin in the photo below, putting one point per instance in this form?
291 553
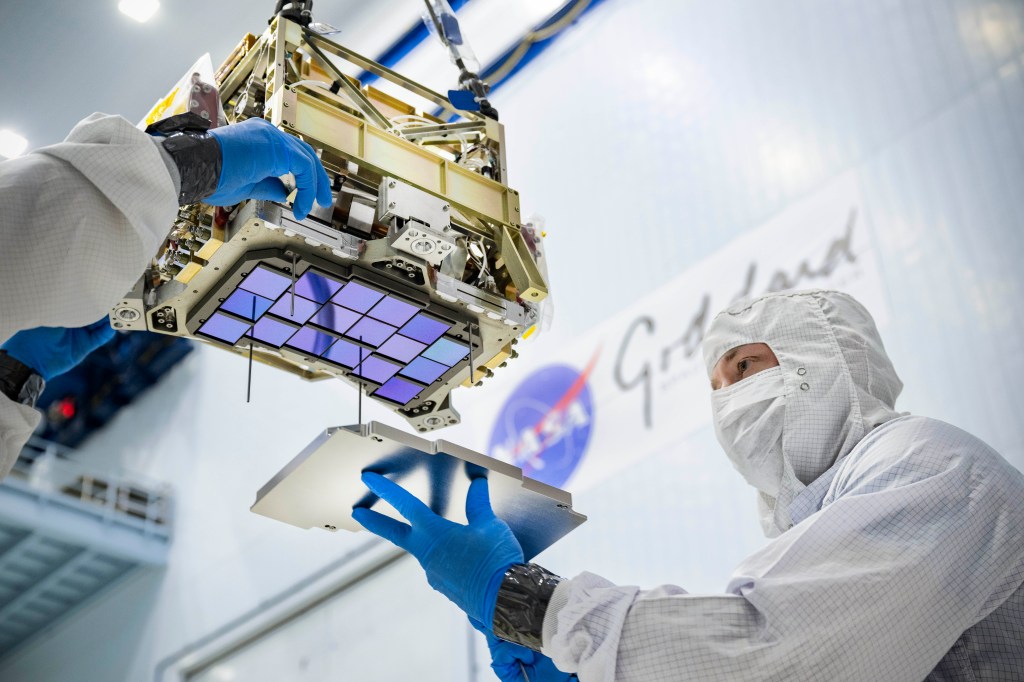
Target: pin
472 371
248 388
293 286
359 368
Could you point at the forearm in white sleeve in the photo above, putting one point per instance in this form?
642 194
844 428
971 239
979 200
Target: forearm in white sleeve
79 221
921 545
17 422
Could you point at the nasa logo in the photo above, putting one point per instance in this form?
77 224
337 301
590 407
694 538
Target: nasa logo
544 427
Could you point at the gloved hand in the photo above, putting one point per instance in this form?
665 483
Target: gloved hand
514 663
464 563
254 153
51 351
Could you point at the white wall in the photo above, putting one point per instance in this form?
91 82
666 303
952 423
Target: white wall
652 135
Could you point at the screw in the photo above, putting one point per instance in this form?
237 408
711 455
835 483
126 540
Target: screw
392 184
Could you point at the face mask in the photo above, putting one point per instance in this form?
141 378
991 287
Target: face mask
749 416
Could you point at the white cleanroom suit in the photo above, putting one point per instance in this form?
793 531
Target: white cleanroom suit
79 222
900 540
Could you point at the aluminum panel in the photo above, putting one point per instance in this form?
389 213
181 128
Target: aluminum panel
319 488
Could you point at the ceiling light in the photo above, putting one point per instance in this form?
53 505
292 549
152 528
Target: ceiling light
139 10
12 144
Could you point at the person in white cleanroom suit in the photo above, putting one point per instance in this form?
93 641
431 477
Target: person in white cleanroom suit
898 549
80 221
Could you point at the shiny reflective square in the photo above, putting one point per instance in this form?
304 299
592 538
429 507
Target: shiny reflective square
370 331
376 369
272 332
224 328
346 354
266 282
393 311
311 341
424 370
316 287
447 352
335 318
303 309
246 304
401 348
357 297
425 329
398 390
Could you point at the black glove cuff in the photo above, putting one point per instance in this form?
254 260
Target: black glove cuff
522 602
195 152
19 382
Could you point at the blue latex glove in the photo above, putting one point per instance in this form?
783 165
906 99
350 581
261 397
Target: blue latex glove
464 563
514 663
51 351
254 153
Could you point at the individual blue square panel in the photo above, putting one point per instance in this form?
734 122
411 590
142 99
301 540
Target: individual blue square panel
370 332
334 317
298 312
311 341
447 352
376 369
246 304
398 390
316 287
224 328
425 329
272 332
266 282
393 311
357 297
346 354
401 348
424 370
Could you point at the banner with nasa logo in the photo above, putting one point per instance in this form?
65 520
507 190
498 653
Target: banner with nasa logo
637 382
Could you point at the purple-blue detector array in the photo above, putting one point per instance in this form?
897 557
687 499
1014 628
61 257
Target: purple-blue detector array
401 348
265 282
425 371
304 309
224 328
398 390
371 332
447 352
385 335
335 318
355 296
316 287
272 332
425 329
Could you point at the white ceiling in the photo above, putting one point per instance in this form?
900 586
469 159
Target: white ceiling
68 59
65 60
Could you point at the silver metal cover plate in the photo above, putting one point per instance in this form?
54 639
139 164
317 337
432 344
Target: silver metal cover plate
320 487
